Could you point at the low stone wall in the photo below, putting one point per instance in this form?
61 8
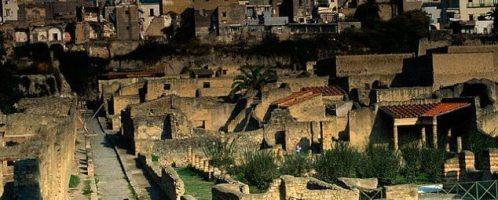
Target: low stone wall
491 160
166 178
405 192
287 187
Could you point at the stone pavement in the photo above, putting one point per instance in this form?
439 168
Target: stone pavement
109 175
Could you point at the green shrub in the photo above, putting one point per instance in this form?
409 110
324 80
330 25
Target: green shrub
381 162
432 163
341 161
412 157
259 169
220 153
422 164
296 164
479 142
154 157
74 181
87 189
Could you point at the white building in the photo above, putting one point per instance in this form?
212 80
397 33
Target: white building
10 9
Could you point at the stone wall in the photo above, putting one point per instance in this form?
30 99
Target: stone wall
476 49
450 69
287 187
166 178
42 163
405 192
312 109
491 160
402 94
188 87
360 65
121 102
487 123
365 126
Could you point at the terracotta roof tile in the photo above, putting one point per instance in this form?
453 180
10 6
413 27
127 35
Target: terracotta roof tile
290 97
421 110
326 90
308 93
300 100
443 108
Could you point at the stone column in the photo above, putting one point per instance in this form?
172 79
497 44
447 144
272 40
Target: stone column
4 167
395 137
2 139
448 139
189 154
459 144
423 136
205 167
434 133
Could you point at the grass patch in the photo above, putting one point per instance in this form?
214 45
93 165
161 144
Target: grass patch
74 181
194 184
87 189
154 157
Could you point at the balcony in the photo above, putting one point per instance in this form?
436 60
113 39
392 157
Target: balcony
481 4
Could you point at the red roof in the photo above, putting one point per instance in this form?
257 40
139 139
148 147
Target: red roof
290 97
421 110
325 90
307 93
299 100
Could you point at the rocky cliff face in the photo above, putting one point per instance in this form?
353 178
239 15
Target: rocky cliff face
175 63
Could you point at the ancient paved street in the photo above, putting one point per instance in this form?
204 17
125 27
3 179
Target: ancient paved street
112 184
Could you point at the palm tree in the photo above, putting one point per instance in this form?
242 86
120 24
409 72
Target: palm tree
252 80
249 85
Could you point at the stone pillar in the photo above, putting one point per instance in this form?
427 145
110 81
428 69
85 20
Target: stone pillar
491 159
423 137
467 161
205 167
4 167
459 144
448 139
189 154
395 137
434 134
211 172
2 139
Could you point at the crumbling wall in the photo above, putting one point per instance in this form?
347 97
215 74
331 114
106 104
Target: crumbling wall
487 123
407 192
312 109
360 65
45 161
287 187
121 102
166 178
402 94
296 84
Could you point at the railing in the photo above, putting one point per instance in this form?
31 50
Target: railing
481 4
378 193
471 190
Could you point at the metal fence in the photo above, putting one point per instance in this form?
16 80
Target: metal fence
378 193
480 190
471 190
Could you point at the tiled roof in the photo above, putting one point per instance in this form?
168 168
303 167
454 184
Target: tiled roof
307 93
421 110
326 90
299 100
290 97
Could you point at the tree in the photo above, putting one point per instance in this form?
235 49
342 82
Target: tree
252 80
368 13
